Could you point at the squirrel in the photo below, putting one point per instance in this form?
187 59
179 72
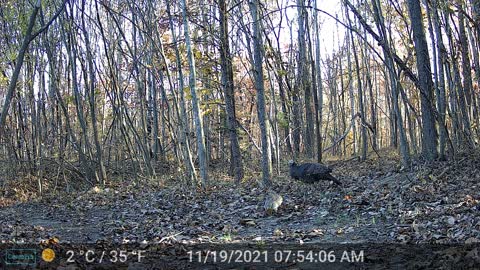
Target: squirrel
273 200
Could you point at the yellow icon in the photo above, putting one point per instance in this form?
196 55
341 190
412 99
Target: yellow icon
48 254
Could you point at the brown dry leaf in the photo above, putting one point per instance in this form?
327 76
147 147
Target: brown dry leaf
54 240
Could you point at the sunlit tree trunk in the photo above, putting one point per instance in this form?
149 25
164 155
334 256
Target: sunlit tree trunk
184 123
102 175
202 155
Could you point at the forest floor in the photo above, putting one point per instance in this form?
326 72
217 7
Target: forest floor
378 202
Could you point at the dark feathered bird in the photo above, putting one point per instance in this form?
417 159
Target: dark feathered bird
311 172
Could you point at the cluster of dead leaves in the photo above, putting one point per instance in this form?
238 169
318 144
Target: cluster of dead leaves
380 202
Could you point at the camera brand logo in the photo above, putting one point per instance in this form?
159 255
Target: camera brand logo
20 256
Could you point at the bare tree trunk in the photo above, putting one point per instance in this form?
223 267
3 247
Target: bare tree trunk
373 110
91 87
363 129
466 66
429 133
202 155
350 91
71 44
394 84
227 80
319 84
440 77
467 71
184 125
458 108
18 65
303 76
315 96
259 84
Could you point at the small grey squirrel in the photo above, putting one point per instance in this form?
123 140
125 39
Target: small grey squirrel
272 202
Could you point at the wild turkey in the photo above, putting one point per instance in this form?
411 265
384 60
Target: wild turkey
311 172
